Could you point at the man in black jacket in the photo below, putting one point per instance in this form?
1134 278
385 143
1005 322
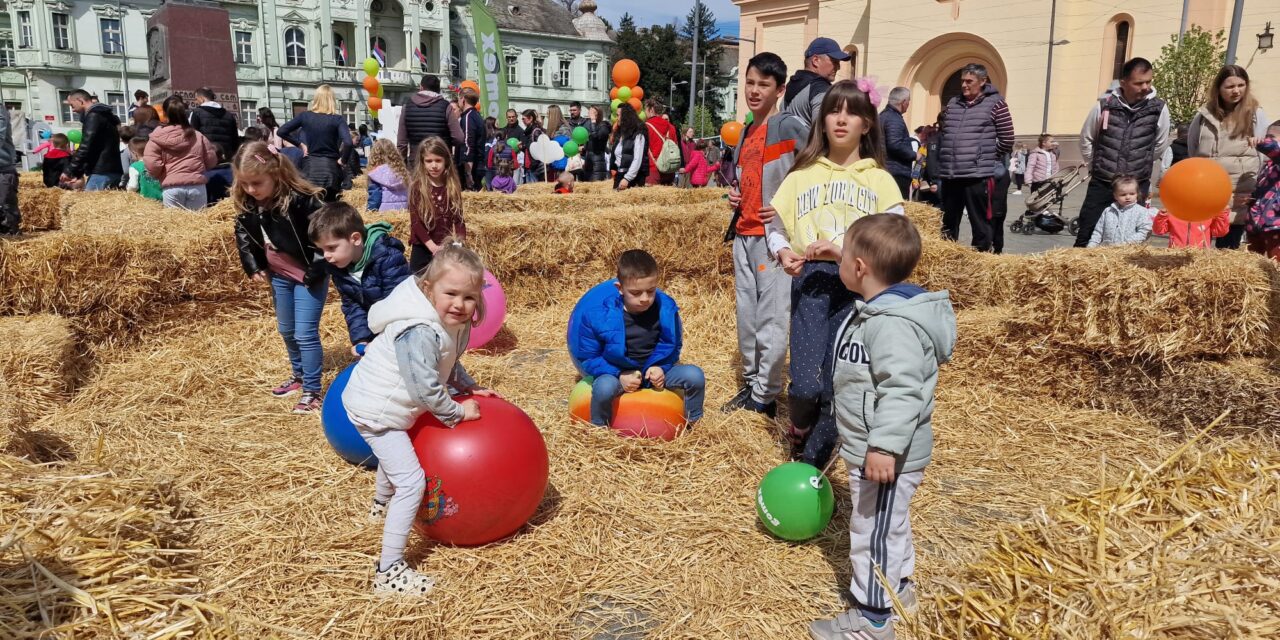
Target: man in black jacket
900 154
576 118
98 157
428 114
216 123
471 152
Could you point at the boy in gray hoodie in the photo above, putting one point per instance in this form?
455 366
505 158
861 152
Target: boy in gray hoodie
886 359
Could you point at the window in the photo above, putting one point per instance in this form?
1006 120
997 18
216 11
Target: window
6 53
538 65
425 56
1122 48
25 38
455 71
513 70
61 31
562 78
299 108
115 100
68 116
593 75
244 47
112 39
348 111
248 109
295 47
339 49
378 49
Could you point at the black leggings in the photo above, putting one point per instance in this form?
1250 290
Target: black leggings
419 257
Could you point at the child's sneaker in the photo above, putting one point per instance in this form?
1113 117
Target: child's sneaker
908 599
738 401
309 403
378 511
399 579
287 388
850 625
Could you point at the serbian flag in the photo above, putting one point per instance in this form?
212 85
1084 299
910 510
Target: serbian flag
422 60
379 54
342 51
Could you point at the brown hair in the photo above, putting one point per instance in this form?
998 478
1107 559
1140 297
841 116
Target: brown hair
257 159
1044 137
420 202
335 220
60 140
888 242
453 254
137 145
843 95
555 118
636 263
1121 181
1237 121
383 152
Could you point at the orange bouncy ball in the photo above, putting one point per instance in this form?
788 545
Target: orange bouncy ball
644 414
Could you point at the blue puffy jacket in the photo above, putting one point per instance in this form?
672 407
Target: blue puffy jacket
598 333
387 268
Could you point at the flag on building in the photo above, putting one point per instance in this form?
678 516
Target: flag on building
342 53
378 53
422 60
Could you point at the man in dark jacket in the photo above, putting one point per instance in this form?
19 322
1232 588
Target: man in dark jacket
9 216
98 156
900 154
428 114
216 123
976 134
470 154
576 119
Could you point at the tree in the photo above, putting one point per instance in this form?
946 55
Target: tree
568 4
1184 73
655 50
709 52
704 123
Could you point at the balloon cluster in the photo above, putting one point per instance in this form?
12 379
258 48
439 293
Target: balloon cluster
372 86
626 89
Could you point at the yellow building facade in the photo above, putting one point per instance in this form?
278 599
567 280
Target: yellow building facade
922 44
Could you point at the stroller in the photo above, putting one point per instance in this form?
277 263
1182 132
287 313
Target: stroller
1040 202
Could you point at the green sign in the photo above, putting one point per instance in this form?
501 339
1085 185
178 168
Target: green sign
493 80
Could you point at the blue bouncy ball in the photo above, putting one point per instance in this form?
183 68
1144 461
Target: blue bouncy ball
338 430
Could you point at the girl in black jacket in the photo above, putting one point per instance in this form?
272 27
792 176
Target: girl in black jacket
275 206
598 131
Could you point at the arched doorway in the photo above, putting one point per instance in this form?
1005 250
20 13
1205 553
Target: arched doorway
950 88
933 71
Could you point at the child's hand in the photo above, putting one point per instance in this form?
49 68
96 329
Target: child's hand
657 377
822 250
791 263
470 410
485 393
623 184
767 214
735 197
260 276
630 381
879 466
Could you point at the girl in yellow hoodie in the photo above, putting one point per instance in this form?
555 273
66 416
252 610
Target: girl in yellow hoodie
838 178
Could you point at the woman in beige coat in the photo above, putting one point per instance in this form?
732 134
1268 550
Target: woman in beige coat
1227 129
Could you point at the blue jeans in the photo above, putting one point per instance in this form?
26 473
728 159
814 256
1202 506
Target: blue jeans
686 378
298 311
102 181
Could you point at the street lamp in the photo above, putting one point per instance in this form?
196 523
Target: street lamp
671 93
1266 39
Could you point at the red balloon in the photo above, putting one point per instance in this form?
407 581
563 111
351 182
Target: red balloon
1195 189
371 85
485 478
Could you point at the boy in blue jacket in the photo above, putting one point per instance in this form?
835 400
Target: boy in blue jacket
625 334
366 263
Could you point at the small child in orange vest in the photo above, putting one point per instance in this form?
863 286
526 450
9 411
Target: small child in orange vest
1198 235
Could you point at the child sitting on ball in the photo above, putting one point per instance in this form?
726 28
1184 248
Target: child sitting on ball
629 338
885 369
365 261
423 328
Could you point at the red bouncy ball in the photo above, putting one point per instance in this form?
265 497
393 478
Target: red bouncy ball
485 478
1195 189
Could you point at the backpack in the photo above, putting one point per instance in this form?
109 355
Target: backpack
668 160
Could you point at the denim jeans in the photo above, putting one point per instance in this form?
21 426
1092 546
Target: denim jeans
298 311
193 197
102 181
686 378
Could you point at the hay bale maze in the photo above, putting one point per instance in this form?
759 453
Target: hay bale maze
151 487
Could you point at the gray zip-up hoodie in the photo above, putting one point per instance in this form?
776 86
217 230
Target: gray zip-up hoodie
887 355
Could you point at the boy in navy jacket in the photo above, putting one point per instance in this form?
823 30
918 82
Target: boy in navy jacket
366 263
625 335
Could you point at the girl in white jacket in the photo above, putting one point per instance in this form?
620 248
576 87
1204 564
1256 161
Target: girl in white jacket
422 327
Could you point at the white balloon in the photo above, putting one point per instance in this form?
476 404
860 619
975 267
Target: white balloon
546 150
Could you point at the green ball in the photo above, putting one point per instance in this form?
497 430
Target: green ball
624 93
371 66
751 117
513 142
580 135
75 136
795 501
570 149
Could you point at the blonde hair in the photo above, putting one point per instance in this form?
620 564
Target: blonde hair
1238 122
420 202
257 159
453 254
324 102
383 152
555 118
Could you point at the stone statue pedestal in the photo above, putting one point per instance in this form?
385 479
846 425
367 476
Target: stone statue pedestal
188 47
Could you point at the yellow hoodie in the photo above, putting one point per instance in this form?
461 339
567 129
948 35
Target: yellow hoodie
823 199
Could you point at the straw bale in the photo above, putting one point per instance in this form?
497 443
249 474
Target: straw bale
39 361
40 206
1184 549
89 553
30 179
990 351
927 219
1194 392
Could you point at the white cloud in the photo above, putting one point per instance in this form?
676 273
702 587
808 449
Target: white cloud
647 12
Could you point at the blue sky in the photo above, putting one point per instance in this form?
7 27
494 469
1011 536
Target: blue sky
647 12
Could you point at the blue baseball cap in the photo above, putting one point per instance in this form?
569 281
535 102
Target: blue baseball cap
826 47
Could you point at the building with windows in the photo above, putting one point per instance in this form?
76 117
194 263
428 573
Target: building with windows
1050 74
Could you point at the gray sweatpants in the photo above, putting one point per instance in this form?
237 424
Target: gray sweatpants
192 197
763 292
401 483
880 535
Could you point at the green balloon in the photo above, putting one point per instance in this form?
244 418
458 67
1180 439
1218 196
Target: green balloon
580 135
751 117
794 501
371 66
75 136
570 149
643 116
381 89
615 104
624 93
513 142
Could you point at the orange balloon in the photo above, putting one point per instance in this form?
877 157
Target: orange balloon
1195 189
731 133
637 93
635 104
626 73
375 103
613 93
164 119
371 85
470 84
